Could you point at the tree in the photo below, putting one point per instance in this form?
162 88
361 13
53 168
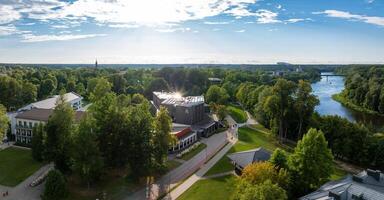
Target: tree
118 83
305 103
101 88
47 87
28 93
220 110
88 162
216 94
257 173
157 84
59 129
279 158
55 186
162 139
311 164
3 122
264 191
279 103
37 144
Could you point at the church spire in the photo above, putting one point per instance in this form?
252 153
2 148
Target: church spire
96 64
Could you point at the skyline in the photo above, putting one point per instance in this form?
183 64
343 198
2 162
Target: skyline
202 31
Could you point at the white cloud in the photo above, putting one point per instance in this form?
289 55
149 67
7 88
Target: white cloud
266 17
354 17
140 12
43 38
216 23
7 30
171 30
8 14
279 6
124 26
370 1
240 31
60 26
294 20
216 29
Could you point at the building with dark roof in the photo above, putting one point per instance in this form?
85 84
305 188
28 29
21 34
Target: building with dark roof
26 120
183 110
241 159
367 185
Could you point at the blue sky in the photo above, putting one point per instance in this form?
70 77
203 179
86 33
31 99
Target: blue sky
192 31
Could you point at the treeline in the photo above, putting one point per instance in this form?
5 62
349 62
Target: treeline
364 87
287 108
118 131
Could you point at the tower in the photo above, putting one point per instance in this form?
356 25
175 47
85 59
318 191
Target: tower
96 64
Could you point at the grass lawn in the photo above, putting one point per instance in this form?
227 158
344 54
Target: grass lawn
250 139
16 165
237 113
215 188
195 151
115 184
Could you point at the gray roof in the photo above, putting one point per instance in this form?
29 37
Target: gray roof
174 98
43 114
245 158
50 103
364 185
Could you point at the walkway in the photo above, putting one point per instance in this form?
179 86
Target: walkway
219 175
174 194
23 190
174 177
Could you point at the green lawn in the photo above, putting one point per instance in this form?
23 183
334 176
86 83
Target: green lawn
250 139
237 113
215 188
195 151
16 165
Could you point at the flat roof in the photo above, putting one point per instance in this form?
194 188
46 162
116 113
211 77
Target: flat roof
43 114
174 98
50 103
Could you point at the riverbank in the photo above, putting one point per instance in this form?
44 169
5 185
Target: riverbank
345 102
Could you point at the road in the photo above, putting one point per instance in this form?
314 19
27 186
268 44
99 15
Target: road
174 177
23 190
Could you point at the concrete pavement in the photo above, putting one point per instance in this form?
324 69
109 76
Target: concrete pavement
174 194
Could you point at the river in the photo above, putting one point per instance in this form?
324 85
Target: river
328 86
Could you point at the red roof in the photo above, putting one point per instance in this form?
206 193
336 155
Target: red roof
183 132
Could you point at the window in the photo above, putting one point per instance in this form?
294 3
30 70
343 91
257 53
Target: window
30 124
25 124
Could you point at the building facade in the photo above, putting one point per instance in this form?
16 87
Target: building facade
27 120
50 103
184 110
185 138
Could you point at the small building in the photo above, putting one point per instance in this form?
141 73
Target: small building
214 80
185 137
241 159
367 185
25 121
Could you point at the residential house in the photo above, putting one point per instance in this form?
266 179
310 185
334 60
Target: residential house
367 185
185 137
241 159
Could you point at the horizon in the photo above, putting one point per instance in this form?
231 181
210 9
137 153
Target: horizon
191 32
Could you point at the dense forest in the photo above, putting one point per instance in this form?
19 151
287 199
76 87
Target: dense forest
364 87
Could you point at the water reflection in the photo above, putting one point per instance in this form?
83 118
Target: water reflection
330 85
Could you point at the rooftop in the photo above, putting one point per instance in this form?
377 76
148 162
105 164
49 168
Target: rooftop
50 103
367 185
245 158
175 98
43 114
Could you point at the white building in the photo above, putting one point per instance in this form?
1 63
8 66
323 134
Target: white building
25 121
50 103
185 137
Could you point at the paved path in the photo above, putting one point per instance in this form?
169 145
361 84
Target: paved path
219 175
174 177
174 194
23 191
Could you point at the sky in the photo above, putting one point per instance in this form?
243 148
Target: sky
192 31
